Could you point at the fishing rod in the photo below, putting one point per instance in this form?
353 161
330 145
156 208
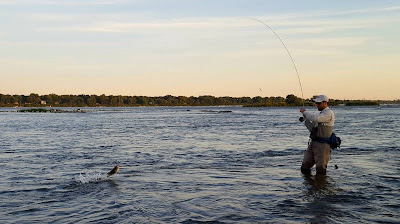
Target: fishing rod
290 55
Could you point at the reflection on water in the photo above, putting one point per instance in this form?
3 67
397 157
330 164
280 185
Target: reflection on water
319 191
318 186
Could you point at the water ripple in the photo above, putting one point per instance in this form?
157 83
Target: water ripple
180 166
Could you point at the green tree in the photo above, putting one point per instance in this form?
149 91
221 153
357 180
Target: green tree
142 100
33 99
131 101
117 101
103 100
293 100
92 101
206 100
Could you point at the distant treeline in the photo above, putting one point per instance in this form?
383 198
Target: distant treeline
362 103
34 100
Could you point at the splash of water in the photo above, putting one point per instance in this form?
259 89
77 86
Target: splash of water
90 178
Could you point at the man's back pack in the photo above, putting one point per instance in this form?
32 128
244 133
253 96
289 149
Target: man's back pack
334 141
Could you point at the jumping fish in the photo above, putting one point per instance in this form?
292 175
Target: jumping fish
113 171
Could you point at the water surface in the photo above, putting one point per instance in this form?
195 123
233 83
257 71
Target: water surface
193 165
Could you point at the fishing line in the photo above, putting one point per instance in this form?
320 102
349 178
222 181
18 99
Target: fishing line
290 55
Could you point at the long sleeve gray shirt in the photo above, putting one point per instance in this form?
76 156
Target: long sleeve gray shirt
325 118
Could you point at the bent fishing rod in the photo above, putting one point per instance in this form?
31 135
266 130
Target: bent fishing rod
290 55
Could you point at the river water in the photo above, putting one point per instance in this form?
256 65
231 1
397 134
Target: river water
196 165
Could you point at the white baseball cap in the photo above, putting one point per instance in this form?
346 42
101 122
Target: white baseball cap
321 98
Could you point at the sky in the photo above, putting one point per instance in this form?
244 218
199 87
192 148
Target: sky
346 49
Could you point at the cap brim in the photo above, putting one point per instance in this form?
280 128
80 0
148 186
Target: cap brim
317 100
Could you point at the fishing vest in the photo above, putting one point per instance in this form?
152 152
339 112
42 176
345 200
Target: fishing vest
321 131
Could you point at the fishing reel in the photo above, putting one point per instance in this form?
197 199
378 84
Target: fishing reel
302 118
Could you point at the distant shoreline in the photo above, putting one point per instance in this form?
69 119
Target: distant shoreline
218 109
53 100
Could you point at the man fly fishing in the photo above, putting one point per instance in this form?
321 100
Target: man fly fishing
320 126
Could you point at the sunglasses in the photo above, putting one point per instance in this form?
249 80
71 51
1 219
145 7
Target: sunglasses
318 103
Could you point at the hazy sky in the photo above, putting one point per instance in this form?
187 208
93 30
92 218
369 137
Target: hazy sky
346 49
